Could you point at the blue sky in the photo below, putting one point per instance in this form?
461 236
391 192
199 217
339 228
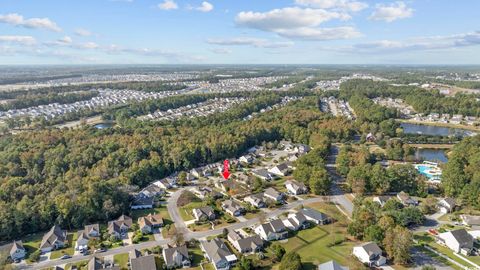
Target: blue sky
239 32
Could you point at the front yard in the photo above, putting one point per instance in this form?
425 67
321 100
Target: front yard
70 249
186 210
121 260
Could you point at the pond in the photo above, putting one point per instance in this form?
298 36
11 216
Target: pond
409 128
434 155
104 125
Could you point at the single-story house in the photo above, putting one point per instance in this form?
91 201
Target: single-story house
273 230
153 190
176 257
315 216
245 245
54 239
150 222
18 252
459 241
469 220
142 201
296 188
204 213
296 221
256 200
370 254
233 208
93 230
218 253
262 174
272 194
382 200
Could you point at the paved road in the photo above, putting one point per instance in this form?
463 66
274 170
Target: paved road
174 213
338 196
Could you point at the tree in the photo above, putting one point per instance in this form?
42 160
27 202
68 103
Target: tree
278 251
291 261
374 233
397 243
178 238
319 182
34 256
429 267
182 178
429 206
244 264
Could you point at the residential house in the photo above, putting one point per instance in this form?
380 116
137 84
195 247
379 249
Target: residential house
286 145
256 200
370 254
382 200
243 179
17 252
143 263
54 239
459 241
153 190
82 240
203 192
273 230
272 194
217 252
245 245
93 230
163 184
233 208
281 169
315 216
302 149
262 174
142 201
468 220
406 200
296 221
295 188
332 265
204 213
150 222
447 205
119 228
97 264
247 159
134 254
228 185
176 257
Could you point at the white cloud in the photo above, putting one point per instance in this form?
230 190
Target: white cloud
250 41
168 5
82 32
23 40
298 23
392 12
221 51
347 5
416 44
205 7
88 45
39 23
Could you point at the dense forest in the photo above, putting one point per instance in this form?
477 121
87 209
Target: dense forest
461 176
423 101
73 177
29 100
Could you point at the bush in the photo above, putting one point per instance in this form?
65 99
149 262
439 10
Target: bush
35 256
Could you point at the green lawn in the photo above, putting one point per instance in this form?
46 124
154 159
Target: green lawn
197 256
32 242
167 233
70 249
425 238
121 260
208 266
437 257
186 211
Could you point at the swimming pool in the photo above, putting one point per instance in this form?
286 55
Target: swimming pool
432 172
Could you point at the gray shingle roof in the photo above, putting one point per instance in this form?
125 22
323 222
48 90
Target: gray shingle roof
144 263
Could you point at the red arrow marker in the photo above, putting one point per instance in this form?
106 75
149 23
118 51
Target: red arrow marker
226 174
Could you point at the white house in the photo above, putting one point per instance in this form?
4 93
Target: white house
274 195
459 241
280 170
331 265
176 257
256 200
295 188
17 252
446 205
274 230
370 254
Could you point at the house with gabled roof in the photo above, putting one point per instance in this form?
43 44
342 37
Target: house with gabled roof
141 201
218 253
245 244
295 188
459 241
406 200
262 174
281 169
469 220
273 195
370 254
17 252
332 265
119 227
54 239
233 208
273 230
150 222
382 200
176 257
256 200
447 205
314 216
143 263
204 213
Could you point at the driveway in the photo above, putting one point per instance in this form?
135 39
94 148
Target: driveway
422 259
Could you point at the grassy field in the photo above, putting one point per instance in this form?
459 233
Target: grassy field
121 260
70 249
186 211
32 242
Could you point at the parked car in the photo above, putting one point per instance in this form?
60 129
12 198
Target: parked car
66 256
